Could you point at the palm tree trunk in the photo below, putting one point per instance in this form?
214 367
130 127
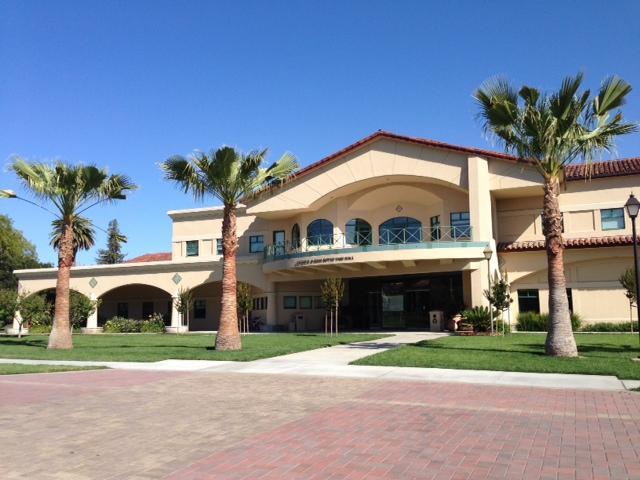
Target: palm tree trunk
60 337
228 337
560 340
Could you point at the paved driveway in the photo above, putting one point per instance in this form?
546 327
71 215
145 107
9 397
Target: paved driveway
120 424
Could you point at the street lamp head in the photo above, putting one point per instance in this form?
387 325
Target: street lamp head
120 197
487 252
8 194
632 206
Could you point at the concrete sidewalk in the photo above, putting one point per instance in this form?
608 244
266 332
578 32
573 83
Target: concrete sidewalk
335 362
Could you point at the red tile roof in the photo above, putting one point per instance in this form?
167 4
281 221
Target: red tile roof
592 242
610 168
151 257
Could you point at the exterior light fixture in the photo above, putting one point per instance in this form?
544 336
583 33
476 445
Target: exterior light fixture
488 253
633 207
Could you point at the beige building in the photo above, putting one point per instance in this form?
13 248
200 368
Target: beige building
405 222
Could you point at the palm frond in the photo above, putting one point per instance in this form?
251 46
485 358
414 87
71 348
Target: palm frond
83 233
553 130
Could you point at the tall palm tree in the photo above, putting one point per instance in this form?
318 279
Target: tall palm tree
229 176
71 190
550 131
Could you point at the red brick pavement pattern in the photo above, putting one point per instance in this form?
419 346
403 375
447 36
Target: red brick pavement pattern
402 430
29 389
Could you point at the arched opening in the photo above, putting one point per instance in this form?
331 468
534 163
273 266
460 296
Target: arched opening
320 232
295 236
136 301
38 309
205 313
400 230
358 232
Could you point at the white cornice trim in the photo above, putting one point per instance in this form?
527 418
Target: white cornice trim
135 266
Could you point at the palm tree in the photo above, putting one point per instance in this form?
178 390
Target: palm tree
550 131
229 176
71 190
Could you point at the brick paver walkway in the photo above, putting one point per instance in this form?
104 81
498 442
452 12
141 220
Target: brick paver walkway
144 425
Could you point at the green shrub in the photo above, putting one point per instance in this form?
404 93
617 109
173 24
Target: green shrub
500 324
122 325
537 322
44 329
36 311
154 324
480 318
80 307
8 306
609 327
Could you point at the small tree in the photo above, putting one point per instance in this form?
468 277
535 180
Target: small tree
113 253
245 302
184 303
34 310
332 290
9 301
628 282
80 307
499 296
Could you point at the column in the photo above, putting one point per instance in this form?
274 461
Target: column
272 309
92 320
15 327
176 317
481 217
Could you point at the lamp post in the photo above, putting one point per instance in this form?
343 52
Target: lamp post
487 254
633 207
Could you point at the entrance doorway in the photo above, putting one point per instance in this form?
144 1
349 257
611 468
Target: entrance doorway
397 303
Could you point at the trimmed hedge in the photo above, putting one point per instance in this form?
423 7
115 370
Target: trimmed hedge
537 322
623 327
155 324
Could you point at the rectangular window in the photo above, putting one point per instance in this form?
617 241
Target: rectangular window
192 248
256 243
218 246
147 309
260 303
289 302
529 300
460 225
122 310
318 303
200 309
435 228
306 302
612 218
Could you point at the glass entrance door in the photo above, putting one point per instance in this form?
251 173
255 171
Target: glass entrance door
392 305
278 243
417 308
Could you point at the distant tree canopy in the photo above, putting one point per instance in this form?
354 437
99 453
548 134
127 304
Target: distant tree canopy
113 253
16 252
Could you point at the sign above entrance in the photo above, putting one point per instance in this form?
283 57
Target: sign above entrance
322 261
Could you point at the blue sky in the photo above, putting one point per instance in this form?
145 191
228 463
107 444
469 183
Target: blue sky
127 84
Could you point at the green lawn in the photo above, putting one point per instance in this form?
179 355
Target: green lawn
16 368
600 354
154 347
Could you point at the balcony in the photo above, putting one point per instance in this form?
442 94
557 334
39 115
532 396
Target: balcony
438 237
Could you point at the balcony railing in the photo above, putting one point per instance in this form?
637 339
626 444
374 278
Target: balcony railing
390 239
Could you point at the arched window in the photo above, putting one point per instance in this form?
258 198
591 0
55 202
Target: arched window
358 232
320 232
295 236
400 230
